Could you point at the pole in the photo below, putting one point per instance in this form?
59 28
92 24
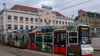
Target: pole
4 19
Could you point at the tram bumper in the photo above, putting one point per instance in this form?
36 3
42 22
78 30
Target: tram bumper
87 50
88 55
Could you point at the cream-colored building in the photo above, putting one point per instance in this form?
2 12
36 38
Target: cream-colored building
23 17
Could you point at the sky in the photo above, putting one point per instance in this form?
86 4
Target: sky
69 8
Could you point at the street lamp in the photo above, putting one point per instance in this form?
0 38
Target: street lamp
4 19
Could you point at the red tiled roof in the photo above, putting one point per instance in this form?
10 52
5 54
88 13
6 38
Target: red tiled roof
80 12
24 8
30 9
59 14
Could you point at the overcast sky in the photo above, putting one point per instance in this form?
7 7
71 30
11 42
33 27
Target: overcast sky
68 8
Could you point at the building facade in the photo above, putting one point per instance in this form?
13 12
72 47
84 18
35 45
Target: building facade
92 19
23 17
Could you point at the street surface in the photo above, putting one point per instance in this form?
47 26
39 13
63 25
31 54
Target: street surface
97 53
4 53
11 51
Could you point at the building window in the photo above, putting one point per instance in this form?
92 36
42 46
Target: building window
15 17
21 26
26 26
36 26
9 17
31 27
47 13
21 18
56 22
63 22
26 18
53 21
15 27
31 19
59 22
9 26
66 22
36 20
45 20
49 21
40 20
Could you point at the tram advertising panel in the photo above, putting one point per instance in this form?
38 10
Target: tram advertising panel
60 42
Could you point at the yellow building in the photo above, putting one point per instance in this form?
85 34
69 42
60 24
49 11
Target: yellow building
92 19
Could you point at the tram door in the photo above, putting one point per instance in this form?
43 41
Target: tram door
10 39
60 42
31 44
16 41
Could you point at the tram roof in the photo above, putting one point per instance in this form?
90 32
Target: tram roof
44 27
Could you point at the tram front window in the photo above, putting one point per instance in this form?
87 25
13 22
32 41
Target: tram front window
85 39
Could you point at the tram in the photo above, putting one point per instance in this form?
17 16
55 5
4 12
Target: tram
73 40
17 38
8 38
5 39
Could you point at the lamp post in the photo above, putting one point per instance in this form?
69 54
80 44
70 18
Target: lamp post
95 30
4 19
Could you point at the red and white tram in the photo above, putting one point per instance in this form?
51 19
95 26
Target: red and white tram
73 40
68 40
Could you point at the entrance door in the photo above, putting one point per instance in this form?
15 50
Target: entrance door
60 42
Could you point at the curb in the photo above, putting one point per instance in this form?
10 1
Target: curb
97 49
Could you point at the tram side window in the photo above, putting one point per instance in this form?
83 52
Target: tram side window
9 37
38 38
73 38
22 38
63 39
48 39
56 39
16 38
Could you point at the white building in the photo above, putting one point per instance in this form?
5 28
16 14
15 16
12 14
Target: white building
23 17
